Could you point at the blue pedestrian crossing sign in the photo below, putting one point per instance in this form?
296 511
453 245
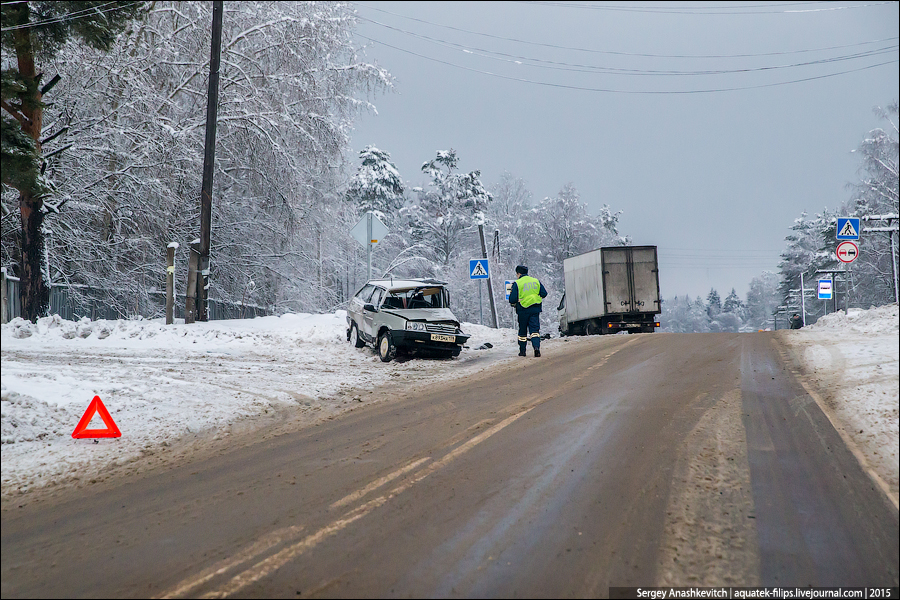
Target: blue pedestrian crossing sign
847 228
478 268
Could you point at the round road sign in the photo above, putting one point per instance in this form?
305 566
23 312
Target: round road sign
847 252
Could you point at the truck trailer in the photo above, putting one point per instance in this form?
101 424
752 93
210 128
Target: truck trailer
609 290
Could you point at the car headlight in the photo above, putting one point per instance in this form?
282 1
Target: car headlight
415 326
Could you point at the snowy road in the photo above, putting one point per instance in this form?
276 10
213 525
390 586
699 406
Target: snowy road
620 460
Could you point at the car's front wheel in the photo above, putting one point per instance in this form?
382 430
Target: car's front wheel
386 348
354 337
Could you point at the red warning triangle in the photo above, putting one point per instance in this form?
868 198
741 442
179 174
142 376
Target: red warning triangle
96 406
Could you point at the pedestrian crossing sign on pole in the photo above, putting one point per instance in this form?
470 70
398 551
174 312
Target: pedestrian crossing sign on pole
478 268
847 228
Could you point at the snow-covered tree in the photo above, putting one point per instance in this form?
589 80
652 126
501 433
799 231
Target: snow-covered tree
732 303
762 300
452 205
876 194
713 303
683 315
23 129
566 225
377 185
808 250
561 227
291 84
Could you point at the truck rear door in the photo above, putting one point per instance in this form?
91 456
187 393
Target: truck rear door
616 280
631 279
645 278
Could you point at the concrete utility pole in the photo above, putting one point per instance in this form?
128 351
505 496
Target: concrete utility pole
170 282
490 287
190 294
802 299
209 159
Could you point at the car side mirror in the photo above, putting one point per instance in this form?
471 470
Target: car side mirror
369 307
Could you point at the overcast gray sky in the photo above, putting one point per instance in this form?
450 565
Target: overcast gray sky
710 125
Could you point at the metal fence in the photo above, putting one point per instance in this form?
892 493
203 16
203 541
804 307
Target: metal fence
90 304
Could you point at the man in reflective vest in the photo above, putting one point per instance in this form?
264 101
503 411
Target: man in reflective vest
526 295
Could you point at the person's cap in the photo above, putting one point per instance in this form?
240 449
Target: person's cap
522 269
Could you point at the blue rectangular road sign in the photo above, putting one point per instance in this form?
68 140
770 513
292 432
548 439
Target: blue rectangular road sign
824 289
478 268
847 228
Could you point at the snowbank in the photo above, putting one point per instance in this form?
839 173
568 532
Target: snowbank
168 385
852 360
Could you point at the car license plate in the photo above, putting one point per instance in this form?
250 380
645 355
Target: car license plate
437 337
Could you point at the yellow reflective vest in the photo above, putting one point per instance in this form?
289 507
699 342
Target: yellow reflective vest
529 291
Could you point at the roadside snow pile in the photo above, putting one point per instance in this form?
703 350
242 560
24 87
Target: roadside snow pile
321 329
171 385
854 360
882 320
26 419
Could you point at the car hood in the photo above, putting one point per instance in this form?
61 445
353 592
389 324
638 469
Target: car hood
423 314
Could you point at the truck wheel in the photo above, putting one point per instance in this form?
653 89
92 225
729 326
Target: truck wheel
386 348
354 337
591 328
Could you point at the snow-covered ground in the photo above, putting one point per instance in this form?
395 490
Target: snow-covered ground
177 389
182 386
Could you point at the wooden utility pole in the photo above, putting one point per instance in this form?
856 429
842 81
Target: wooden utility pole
209 159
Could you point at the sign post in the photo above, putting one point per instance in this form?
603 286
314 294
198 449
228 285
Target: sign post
368 232
479 269
826 291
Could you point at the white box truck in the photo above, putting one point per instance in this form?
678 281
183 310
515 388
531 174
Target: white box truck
609 290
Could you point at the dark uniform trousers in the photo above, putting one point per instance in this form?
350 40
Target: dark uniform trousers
529 326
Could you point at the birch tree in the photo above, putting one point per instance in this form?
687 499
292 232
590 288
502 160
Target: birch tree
34 32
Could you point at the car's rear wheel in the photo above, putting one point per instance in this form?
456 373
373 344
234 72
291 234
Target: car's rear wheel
386 348
354 337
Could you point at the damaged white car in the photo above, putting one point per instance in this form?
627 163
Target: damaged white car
404 315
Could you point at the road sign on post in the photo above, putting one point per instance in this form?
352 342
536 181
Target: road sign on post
847 252
368 232
847 228
479 268
825 289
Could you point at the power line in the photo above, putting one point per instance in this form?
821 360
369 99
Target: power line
618 53
621 91
703 10
564 66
